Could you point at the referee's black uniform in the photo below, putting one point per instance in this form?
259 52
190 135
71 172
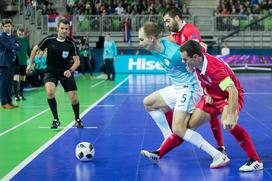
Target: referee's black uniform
59 56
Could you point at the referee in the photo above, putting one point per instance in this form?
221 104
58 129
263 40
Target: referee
60 51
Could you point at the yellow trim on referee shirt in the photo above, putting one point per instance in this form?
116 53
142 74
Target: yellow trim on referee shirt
225 83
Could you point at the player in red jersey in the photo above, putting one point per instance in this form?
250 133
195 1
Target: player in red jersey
180 33
227 98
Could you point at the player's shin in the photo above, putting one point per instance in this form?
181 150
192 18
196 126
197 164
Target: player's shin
160 119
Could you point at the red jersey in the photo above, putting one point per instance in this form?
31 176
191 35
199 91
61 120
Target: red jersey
213 75
188 32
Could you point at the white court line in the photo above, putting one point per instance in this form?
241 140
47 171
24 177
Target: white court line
128 94
85 127
31 157
22 123
100 82
105 105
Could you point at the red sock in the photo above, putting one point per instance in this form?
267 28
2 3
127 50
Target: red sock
169 118
245 142
170 143
216 129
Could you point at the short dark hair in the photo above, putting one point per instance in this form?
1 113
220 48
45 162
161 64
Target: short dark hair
63 21
172 12
151 29
6 21
192 47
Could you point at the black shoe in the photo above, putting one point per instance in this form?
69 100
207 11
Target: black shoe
17 98
55 124
79 124
22 97
222 150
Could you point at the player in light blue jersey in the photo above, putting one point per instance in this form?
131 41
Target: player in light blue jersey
181 97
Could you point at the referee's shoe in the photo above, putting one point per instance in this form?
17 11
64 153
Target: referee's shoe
78 123
55 124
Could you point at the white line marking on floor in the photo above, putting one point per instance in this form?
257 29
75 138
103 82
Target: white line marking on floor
100 82
106 105
24 122
61 127
31 157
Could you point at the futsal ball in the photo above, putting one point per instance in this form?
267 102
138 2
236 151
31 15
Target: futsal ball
84 151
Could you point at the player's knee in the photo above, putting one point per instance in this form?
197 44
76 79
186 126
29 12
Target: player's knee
179 129
50 94
147 103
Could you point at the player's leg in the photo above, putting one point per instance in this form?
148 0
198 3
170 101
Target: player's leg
156 105
16 82
22 81
180 123
16 86
70 88
217 133
240 134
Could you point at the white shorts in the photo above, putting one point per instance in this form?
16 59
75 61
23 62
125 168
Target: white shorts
184 99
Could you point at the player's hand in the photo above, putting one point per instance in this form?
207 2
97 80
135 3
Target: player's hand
114 58
230 122
67 73
29 69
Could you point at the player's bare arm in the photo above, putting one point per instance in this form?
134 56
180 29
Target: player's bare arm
230 115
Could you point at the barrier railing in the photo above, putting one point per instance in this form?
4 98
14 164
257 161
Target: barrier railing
114 23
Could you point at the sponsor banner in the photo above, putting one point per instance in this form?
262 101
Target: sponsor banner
247 59
137 64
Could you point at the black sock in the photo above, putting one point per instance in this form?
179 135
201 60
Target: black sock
76 110
22 85
53 106
15 87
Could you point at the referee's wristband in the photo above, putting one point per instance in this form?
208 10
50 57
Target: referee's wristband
71 70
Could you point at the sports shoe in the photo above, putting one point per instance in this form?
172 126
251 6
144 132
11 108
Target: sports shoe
55 124
222 150
152 156
220 160
79 124
251 165
17 98
22 97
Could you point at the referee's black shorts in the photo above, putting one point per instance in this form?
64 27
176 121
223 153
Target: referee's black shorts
69 84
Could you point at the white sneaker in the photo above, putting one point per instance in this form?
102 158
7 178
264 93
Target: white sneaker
220 160
152 156
251 165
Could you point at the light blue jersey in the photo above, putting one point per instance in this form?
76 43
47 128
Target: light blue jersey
171 61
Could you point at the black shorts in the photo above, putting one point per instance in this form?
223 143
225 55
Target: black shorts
69 84
20 70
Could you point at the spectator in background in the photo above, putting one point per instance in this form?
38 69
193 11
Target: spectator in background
85 57
8 48
225 50
19 77
109 56
1 28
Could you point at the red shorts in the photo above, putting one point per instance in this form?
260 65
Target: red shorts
217 106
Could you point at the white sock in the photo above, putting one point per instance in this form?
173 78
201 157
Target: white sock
160 119
197 140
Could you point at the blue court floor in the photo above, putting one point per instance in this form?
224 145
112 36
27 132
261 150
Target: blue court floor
119 127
